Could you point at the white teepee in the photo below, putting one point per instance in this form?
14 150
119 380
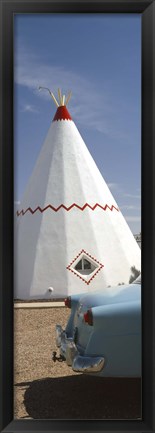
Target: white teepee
70 236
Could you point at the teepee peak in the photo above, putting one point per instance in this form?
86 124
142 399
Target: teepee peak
62 112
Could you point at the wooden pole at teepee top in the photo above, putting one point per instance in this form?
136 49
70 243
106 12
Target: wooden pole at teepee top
62 98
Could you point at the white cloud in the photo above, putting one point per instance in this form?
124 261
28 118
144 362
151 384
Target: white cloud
136 196
132 218
29 108
113 186
88 106
130 207
16 202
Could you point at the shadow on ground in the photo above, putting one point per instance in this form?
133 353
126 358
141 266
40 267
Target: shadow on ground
83 397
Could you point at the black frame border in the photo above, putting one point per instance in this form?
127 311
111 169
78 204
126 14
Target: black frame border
7 10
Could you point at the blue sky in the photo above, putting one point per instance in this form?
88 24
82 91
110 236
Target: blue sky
98 58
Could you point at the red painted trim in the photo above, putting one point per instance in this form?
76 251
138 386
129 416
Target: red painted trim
62 206
62 114
79 276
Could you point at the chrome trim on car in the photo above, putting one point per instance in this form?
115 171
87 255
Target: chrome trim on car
88 364
71 351
68 349
58 330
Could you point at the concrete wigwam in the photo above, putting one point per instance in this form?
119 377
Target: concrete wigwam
71 236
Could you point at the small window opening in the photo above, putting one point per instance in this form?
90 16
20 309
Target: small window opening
85 267
79 265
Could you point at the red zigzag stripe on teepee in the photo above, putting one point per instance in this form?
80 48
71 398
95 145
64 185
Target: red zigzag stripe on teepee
62 206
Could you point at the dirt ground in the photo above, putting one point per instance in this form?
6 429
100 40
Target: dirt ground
47 390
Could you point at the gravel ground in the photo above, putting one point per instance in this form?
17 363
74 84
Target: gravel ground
48 390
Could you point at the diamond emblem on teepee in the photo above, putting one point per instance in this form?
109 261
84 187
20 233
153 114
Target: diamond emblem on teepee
85 266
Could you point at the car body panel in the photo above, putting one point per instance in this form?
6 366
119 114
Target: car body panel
115 335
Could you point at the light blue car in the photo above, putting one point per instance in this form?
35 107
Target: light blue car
103 333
